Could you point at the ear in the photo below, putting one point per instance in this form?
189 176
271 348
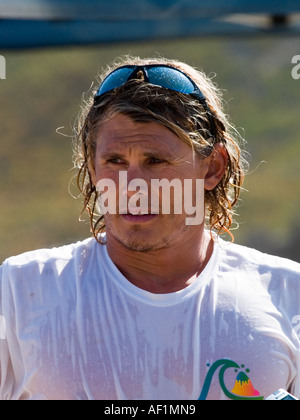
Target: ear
216 167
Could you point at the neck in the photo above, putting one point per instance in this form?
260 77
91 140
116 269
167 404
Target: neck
163 270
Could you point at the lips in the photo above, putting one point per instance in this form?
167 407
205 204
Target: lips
138 218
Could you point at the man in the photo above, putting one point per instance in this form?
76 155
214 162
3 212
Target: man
155 305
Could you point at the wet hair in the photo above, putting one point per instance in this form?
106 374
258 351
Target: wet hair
183 115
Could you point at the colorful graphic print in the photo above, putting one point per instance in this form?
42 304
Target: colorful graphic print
243 388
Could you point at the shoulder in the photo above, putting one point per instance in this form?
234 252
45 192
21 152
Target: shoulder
48 277
43 261
242 257
260 273
261 283
63 252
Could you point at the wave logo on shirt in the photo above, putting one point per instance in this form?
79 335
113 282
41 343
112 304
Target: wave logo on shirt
243 388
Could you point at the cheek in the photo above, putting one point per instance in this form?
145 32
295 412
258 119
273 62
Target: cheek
92 167
103 172
191 173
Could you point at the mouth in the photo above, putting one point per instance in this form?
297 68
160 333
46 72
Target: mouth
138 218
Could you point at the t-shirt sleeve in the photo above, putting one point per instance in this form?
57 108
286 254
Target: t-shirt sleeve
296 383
295 319
7 377
287 301
285 294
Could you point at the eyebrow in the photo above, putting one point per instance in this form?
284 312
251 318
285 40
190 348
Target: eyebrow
110 155
154 152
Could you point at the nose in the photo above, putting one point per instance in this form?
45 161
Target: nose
134 180
136 171
133 183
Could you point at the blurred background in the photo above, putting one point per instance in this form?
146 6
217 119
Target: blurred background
41 95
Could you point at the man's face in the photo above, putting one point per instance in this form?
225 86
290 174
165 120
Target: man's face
131 153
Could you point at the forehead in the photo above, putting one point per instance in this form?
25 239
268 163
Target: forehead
121 132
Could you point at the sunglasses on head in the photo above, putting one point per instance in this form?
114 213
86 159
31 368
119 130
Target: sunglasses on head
162 75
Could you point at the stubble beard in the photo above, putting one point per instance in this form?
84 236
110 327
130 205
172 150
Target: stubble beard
134 241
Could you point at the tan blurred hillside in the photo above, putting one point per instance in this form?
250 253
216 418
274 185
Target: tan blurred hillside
43 92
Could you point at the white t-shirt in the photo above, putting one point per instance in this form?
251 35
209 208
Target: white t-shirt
73 327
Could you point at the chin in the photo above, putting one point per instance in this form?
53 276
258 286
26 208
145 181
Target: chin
138 244
146 238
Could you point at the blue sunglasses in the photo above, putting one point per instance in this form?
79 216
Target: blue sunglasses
161 75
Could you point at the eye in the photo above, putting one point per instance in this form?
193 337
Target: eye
155 160
115 161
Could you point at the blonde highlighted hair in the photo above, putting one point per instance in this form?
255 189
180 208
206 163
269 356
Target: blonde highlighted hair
183 115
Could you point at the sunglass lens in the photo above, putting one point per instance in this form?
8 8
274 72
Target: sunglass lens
170 79
115 79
